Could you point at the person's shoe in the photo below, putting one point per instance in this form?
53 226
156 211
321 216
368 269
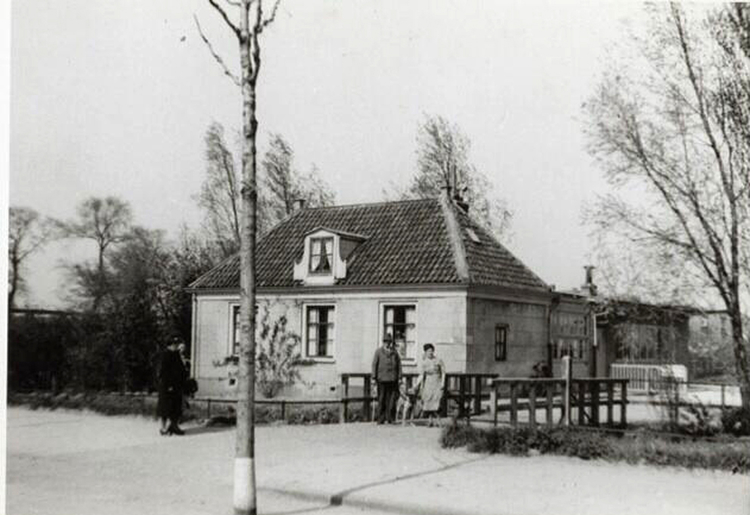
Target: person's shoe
176 431
164 432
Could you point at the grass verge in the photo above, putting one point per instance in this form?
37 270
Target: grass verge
643 447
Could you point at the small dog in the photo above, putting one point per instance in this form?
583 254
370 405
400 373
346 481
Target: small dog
407 404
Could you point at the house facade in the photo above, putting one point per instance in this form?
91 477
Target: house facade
420 271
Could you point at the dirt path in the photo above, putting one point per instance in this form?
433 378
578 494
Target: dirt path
82 463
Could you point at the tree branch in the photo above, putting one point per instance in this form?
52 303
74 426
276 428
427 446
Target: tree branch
271 18
223 14
216 56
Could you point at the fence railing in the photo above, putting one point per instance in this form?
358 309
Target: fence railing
586 395
462 394
647 377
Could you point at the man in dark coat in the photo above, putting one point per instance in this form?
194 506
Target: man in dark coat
386 372
172 377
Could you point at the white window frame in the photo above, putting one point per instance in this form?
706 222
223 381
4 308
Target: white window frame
232 328
381 326
230 336
321 359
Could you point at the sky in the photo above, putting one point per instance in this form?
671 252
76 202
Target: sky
114 100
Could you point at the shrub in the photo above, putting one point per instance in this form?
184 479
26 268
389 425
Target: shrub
736 421
644 447
457 435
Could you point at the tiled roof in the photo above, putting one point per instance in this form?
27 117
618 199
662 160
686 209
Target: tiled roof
489 262
407 242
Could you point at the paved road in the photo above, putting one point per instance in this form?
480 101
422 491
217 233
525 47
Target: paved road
73 463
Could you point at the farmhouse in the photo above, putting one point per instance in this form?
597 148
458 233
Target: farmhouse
421 271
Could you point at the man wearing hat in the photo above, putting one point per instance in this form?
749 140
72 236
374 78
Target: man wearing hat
386 372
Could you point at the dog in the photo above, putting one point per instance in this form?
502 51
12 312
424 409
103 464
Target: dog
407 406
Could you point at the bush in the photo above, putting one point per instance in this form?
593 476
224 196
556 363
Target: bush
736 421
643 448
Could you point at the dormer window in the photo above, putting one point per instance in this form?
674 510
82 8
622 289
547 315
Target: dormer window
321 255
324 258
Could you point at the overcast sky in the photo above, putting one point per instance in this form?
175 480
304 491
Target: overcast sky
111 98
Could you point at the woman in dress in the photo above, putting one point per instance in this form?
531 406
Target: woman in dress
431 382
172 377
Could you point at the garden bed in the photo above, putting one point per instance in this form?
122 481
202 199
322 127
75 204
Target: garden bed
637 447
144 404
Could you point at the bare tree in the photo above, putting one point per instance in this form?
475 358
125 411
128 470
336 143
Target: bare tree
106 221
285 185
443 160
220 192
672 137
252 23
27 233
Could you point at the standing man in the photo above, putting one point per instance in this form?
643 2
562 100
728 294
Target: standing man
386 372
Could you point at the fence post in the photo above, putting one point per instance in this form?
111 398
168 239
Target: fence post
493 403
283 410
676 403
581 392
367 394
446 394
610 407
595 403
478 395
208 409
567 375
344 397
723 399
550 402
513 403
532 406
624 403
462 411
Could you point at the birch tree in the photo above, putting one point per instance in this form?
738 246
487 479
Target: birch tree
443 160
284 184
220 192
107 222
28 232
252 22
670 130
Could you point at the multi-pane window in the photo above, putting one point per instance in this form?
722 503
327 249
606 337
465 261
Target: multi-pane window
320 331
643 343
570 335
236 328
575 348
400 324
321 255
501 342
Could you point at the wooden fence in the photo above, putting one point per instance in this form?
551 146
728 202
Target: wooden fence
463 393
584 395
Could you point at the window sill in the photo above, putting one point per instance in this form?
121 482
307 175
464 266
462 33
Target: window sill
319 359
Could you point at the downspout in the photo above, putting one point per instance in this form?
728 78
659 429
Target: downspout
193 337
554 302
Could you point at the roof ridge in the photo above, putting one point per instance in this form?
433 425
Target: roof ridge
458 249
367 204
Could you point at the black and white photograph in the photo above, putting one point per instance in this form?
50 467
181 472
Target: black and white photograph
341 257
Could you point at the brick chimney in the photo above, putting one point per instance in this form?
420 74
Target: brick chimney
589 286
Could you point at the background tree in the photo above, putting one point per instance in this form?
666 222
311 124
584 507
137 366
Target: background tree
27 233
106 221
443 160
252 23
669 127
220 192
284 184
